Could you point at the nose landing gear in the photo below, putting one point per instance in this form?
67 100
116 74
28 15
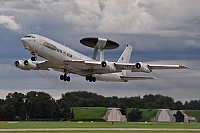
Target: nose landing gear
33 58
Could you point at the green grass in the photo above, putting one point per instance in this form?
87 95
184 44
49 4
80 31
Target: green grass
148 114
98 125
194 113
106 131
89 113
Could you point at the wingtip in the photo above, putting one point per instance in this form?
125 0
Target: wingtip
184 67
154 78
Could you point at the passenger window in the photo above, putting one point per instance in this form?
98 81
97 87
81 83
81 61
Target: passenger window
59 50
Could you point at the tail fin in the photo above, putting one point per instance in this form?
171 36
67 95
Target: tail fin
125 57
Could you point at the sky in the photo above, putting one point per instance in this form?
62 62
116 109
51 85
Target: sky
160 31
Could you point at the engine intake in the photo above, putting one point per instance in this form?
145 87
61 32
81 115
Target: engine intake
26 63
142 67
138 65
103 64
30 64
20 64
108 66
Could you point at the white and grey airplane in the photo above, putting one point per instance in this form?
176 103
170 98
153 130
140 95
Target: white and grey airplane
63 59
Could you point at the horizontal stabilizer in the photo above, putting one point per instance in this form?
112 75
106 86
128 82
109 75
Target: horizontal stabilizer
167 66
136 78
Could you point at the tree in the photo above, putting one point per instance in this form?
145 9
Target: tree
72 114
134 115
179 116
123 110
178 105
16 100
9 112
193 105
65 113
41 105
22 112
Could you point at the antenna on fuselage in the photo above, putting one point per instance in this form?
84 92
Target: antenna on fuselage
99 43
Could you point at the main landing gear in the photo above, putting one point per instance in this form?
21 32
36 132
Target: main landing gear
33 58
65 77
90 78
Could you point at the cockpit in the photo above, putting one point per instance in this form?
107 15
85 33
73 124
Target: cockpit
29 36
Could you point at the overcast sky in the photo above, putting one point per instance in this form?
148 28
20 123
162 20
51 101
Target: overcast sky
160 31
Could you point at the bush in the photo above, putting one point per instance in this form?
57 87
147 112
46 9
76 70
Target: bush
134 115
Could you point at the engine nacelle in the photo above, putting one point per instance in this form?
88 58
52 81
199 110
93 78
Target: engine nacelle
108 66
142 67
30 64
20 64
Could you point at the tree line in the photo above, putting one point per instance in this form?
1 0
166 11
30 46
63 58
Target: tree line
40 105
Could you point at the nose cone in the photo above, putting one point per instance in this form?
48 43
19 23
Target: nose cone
25 43
23 40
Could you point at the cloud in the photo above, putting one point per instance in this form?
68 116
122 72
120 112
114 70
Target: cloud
9 22
170 17
152 16
160 31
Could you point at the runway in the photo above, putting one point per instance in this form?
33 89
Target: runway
100 129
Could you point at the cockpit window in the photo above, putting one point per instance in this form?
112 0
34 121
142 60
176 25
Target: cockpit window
29 36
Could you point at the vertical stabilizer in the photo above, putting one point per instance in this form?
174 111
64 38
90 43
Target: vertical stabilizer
125 57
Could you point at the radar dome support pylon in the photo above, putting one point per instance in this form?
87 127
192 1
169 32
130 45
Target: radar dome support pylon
99 43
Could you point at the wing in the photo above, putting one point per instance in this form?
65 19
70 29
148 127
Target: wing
97 67
85 67
147 68
43 65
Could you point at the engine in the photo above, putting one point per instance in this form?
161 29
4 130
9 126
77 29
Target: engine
30 64
20 64
108 66
142 67
26 65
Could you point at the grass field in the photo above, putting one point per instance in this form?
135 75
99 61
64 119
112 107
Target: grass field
89 113
103 131
98 125
68 125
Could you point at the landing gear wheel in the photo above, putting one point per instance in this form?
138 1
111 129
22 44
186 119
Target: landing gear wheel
65 78
93 79
68 78
61 77
87 78
90 78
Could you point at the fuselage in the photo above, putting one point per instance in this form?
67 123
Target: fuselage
58 53
50 49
